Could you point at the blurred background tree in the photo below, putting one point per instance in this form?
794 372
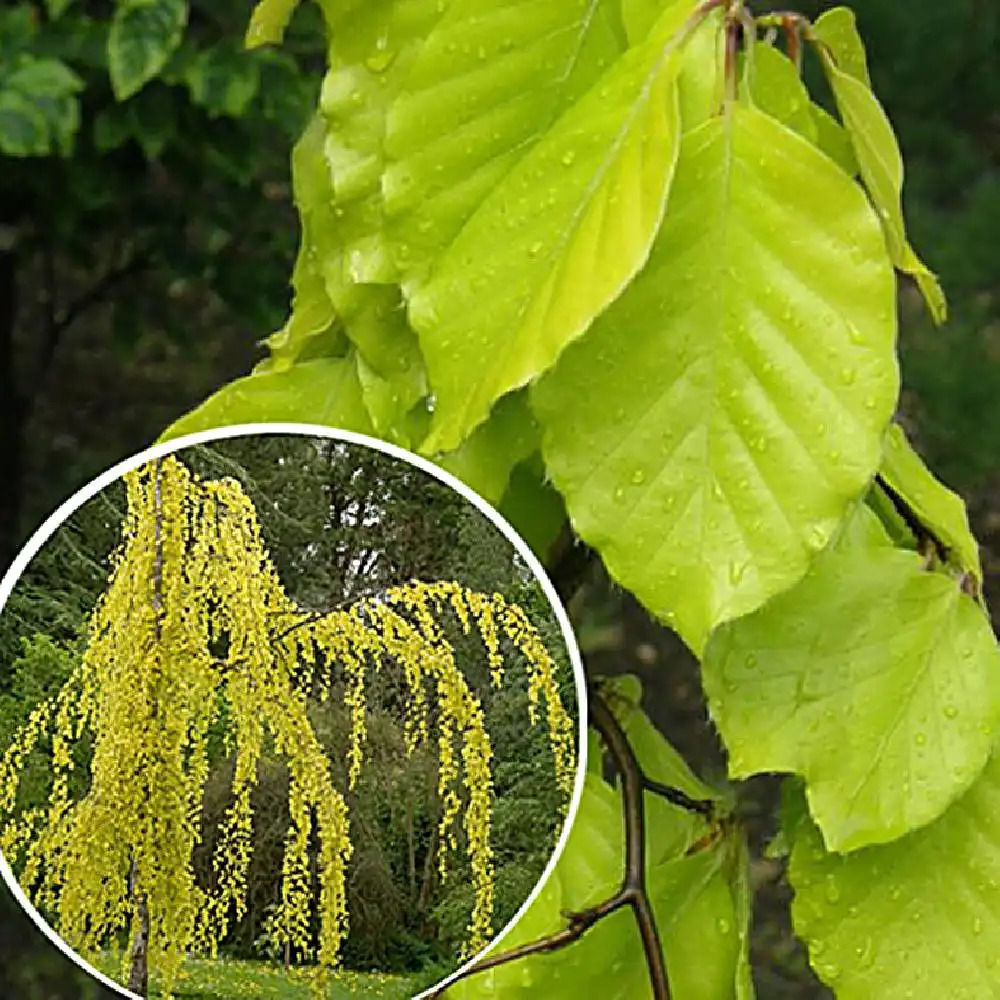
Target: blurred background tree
93 366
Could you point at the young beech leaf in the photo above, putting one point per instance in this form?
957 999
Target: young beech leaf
700 84
268 22
772 84
837 29
879 160
372 51
832 139
312 310
534 506
389 400
558 239
874 679
909 920
710 430
325 391
484 461
488 83
937 507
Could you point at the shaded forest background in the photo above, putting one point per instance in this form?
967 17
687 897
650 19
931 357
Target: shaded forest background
138 271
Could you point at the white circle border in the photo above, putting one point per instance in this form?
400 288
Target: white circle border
160 449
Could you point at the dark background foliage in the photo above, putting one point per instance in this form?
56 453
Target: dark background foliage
95 362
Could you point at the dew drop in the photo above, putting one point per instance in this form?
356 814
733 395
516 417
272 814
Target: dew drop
568 158
817 539
638 477
920 739
950 712
723 925
977 926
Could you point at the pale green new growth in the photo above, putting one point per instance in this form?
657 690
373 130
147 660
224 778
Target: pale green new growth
875 680
752 374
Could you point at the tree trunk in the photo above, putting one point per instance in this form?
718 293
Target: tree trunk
138 977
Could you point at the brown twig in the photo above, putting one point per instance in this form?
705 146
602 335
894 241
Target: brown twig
633 892
929 544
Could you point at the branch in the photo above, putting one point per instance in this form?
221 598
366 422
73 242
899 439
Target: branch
57 323
633 892
929 544
571 564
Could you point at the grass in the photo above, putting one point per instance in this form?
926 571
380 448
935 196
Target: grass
226 979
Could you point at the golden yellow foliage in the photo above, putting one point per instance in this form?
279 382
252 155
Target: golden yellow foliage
192 573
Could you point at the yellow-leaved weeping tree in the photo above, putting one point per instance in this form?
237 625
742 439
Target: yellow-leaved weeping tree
195 630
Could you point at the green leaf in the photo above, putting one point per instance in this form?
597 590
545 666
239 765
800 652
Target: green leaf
371 53
326 391
937 507
881 167
832 139
875 680
485 460
39 110
152 118
143 35
700 84
534 507
701 81
710 430
389 399
555 242
268 22
23 129
56 8
490 80
312 311
336 166
912 919
837 29
773 85
223 81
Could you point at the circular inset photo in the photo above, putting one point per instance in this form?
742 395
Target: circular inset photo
282 714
